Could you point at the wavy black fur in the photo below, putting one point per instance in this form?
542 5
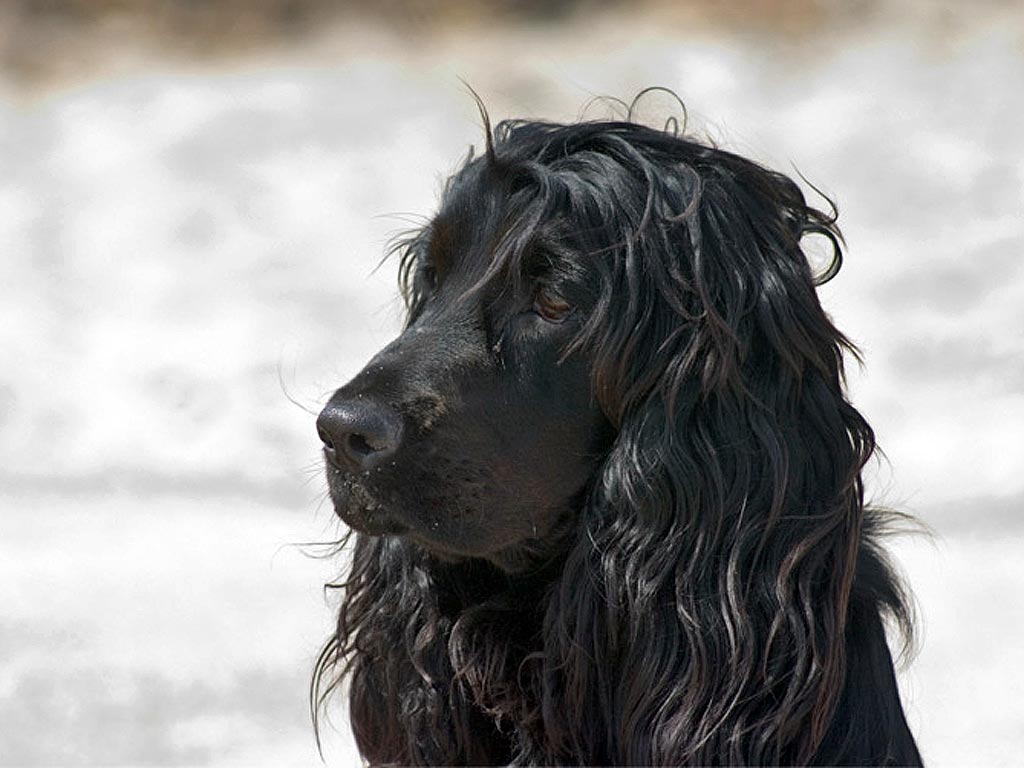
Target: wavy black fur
707 586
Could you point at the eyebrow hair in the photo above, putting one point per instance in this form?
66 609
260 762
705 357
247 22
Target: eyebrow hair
549 256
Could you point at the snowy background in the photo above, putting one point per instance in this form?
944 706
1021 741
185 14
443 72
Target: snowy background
187 236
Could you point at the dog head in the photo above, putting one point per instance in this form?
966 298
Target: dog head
579 282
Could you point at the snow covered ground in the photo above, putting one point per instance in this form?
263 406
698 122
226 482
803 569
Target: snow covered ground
181 245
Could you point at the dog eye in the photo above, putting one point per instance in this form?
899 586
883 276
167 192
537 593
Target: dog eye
551 306
429 276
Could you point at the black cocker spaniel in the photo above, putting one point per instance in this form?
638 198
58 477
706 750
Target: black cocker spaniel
606 484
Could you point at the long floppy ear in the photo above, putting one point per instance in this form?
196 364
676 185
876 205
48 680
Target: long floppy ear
705 603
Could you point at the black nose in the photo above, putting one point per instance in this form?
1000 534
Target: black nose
360 433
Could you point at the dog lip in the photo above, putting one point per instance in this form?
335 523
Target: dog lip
386 527
359 510
369 521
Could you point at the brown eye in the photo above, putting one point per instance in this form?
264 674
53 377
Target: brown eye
551 306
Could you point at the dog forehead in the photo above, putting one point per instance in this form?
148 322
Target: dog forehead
468 236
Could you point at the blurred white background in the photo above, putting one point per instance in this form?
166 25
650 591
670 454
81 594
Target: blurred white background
193 198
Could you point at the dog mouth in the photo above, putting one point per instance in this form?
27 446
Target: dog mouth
374 511
408 501
446 522
360 508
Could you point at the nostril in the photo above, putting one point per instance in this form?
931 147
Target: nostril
360 446
325 438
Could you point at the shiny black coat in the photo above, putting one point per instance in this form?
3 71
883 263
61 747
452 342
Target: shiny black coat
606 483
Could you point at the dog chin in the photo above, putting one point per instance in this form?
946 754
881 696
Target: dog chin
512 560
515 559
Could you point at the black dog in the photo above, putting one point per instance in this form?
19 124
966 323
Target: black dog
606 483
